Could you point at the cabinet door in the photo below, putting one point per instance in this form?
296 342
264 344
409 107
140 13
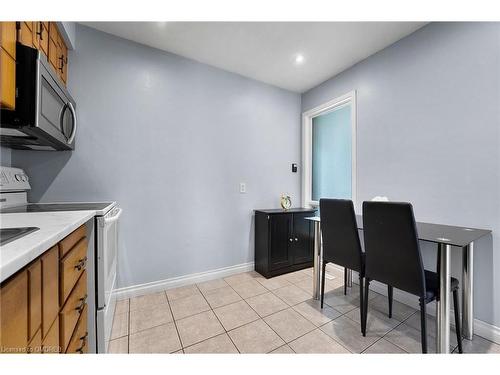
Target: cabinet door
25 35
8 65
14 314
7 80
50 288
280 241
8 37
43 37
62 59
50 343
302 239
35 298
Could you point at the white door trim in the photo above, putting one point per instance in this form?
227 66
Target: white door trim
307 117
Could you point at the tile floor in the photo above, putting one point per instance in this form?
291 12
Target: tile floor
246 313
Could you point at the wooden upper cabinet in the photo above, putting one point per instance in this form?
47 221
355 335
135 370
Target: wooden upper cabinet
8 38
25 33
62 57
8 65
14 313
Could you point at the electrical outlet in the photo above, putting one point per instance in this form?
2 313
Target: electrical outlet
243 188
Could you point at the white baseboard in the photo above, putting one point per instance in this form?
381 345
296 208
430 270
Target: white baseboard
481 328
157 286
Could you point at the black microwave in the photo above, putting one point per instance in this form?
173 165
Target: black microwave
45 113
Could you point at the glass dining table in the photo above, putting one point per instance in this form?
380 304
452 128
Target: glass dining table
446 237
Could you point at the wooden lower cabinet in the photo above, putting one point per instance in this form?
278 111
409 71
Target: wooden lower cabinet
50 344
35 299
71 311
33 316
78 342
35 345
50 289
14 314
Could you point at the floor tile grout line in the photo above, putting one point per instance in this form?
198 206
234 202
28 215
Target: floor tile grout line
173 320
222 325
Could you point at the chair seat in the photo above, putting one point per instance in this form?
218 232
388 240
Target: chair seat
432 285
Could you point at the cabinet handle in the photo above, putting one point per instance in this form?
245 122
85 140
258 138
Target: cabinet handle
40 33
81 264
62 63
84 340
82 305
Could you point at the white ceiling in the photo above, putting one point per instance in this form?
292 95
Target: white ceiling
266 51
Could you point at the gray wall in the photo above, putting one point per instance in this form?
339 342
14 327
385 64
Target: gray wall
5 155
170 139
428 131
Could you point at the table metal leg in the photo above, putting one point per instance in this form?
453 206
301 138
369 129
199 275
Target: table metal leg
349 278
468 292
317 260
443 305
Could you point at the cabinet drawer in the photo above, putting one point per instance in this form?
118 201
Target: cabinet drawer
71 240
71 311
71 267
50 343
35 299
50 288
78 343
14 313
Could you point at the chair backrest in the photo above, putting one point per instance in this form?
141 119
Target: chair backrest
391 245
339 230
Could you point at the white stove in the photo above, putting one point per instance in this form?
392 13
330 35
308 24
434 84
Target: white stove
102 254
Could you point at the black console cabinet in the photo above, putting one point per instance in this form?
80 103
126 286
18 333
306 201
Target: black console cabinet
283 240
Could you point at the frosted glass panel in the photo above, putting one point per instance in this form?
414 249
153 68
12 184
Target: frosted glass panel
331 154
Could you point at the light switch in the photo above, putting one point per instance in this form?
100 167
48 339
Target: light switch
243 187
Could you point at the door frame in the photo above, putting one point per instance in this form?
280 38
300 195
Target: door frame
307 117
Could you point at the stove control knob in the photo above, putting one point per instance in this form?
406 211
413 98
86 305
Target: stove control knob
18 177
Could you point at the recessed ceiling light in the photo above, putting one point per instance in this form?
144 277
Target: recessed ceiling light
299 59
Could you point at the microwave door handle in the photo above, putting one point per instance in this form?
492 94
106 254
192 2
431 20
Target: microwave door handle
61 114
113 218
73 113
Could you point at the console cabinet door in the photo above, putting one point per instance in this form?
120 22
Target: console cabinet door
280 241
302 239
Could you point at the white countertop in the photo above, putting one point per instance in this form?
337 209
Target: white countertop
54 226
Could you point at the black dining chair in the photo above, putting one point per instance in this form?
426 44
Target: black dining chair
393 257
341 244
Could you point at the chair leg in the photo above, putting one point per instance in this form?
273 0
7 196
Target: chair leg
423 325
365 312
361 305
323 283
345 281
389 295
457 320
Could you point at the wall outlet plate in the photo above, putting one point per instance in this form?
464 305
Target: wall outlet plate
243 187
